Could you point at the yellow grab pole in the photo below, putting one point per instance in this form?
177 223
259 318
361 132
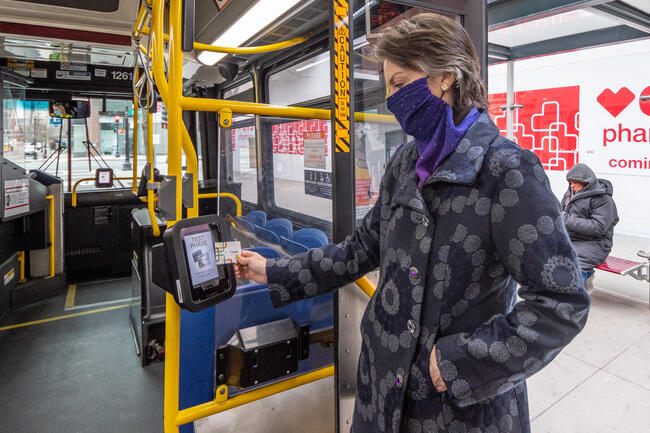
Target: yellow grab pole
175 118
21 266
366 285
140 21
224 194
163 87
243 50
150 197
50 198
212 407
86 179
136 103
203 104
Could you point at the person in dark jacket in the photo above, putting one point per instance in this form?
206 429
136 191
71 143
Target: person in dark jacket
589 216
463 215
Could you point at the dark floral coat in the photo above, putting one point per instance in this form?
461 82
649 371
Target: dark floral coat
449 268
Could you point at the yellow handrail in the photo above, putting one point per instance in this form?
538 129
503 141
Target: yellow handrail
174 90
21 266
143 14
50 198
243 50
221 404
226 195
136 103
204 104
86 179
366 285
150 197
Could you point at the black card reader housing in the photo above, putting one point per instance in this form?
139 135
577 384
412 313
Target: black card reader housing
184 264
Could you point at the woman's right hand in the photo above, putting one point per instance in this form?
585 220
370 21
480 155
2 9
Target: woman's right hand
252 266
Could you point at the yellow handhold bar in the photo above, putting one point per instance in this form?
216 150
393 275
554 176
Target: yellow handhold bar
50 198
21 266
203 104
201 411
226 195
366 285
86 179
243 50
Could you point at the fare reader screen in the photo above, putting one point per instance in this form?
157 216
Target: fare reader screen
201 259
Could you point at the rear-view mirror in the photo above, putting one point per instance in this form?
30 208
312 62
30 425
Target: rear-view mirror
70 109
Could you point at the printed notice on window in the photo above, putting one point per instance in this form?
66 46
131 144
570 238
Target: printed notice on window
16 197
200 257
315 146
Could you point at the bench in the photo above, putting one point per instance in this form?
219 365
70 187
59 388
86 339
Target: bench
637 270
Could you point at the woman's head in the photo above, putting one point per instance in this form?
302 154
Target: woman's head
437 47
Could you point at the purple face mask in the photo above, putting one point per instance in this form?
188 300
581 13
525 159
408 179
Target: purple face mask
430 121
416 109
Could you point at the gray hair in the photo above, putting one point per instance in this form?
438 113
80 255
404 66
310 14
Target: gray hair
435 44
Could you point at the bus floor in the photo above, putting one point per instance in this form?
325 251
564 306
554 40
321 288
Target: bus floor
68 364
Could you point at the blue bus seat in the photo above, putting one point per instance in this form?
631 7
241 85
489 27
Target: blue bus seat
281 227
257 217
267 252
245 224
267 235
292 246
302 234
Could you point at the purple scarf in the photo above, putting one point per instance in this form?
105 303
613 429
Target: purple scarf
430 121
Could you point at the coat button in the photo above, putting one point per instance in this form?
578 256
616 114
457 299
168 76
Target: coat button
414 271
425 221
411 326
399 380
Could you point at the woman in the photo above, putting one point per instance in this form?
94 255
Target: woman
463 215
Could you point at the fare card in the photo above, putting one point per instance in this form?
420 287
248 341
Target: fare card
227 252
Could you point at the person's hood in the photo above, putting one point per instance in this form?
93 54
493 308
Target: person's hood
609 189
582 173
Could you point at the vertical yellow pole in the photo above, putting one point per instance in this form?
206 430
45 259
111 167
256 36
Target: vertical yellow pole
50 199
150 160
175 121
136 107
21 266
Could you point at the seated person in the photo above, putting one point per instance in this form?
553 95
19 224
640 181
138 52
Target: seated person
589 216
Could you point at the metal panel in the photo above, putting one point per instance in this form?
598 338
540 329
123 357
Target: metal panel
505 13
574 42
624 14
351 306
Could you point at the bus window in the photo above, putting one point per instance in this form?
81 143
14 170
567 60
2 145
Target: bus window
302 166
241 139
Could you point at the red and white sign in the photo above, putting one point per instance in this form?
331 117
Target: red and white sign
16 197
315 149
548 123
615 133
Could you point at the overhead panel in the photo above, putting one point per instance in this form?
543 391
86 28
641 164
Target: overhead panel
565 24
88 5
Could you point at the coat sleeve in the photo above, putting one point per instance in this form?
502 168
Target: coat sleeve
321 270
603 215
533 246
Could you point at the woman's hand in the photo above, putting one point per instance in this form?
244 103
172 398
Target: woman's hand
252 266
434 372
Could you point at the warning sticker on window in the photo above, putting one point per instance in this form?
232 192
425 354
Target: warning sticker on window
16 197
9 276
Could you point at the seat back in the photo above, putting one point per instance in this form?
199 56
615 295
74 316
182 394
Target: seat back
281 227
257 217
292 246
267 235
267 252
313 238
